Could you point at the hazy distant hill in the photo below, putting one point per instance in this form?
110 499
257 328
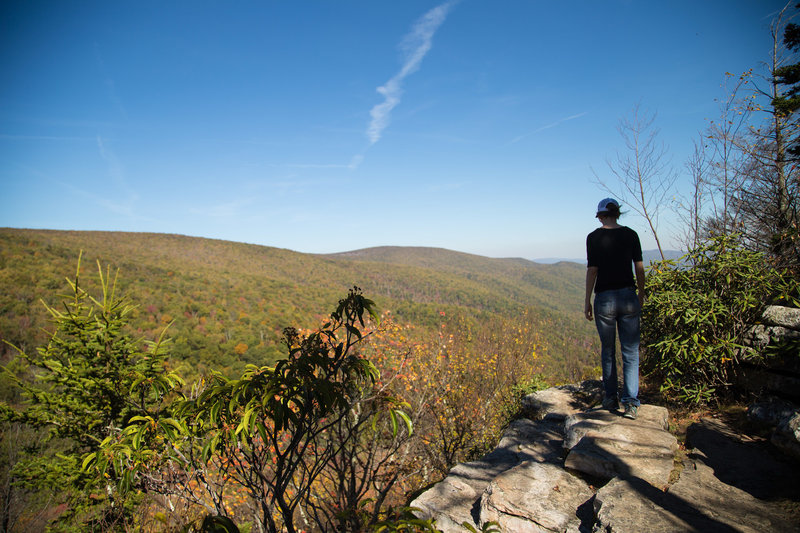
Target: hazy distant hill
226 296
647 255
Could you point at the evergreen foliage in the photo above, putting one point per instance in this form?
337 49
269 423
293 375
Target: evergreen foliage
697 315
789 77
88 381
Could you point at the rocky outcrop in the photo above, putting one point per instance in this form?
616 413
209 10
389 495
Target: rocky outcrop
534 497
777 380
777 323
572 467
786 435
778 374
783 419
605 445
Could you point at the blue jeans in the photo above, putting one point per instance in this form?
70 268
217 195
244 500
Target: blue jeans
619 310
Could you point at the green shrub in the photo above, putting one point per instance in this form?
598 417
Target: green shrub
697 315
89 380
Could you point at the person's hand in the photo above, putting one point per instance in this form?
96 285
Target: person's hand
588 311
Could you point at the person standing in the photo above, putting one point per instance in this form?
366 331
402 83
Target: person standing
614 254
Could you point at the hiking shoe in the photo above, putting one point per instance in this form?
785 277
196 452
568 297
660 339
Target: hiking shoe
610 404
630 411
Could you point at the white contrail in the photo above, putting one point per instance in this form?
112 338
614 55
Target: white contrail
415 45
560 121
547 127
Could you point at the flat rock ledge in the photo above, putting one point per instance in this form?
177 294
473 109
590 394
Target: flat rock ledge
573 467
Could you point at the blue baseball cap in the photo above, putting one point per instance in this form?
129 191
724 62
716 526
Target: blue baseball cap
602 207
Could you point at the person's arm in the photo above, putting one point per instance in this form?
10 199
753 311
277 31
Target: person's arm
638 268
591 277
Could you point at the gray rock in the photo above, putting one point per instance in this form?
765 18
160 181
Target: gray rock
709 504
786 436
557 403
730 482
579 424
787 317
626 448
771 412
783 418
761 336
455 499
535 498
749 464
450 502
534 441
626 505
697 502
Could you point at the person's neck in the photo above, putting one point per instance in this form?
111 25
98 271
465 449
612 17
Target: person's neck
609 223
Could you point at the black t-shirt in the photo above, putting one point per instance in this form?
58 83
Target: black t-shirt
613 252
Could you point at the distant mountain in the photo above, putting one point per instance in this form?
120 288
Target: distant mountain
224 296
554 260
526 282
648 256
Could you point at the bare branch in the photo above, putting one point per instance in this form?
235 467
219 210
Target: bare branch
644 172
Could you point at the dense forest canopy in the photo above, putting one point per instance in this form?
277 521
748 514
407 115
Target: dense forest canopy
226 303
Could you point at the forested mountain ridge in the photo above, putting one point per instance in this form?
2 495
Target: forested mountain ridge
228 302
546 286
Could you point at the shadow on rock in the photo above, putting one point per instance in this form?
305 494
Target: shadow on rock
749 465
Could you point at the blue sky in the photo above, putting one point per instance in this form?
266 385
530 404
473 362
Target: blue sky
325 126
